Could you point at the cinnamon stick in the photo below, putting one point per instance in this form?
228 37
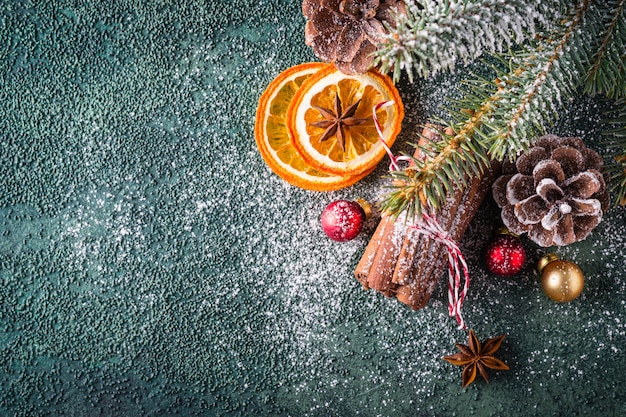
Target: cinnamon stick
403 263
364 266
428 268
455 216
382 255
414 243
386 258
411 246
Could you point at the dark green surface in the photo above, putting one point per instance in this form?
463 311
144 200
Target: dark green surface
151 264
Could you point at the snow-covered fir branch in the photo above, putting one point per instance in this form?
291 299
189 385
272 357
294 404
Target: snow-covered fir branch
435 35
497 117
607 73
616 167
525 97
529 96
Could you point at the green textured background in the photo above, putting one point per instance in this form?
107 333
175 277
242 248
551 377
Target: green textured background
151 264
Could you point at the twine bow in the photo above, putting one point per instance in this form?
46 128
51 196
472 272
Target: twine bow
430 226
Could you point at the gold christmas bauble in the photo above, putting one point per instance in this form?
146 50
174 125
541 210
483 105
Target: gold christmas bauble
562 281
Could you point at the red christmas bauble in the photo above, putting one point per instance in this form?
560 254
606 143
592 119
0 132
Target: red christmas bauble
342 220
505 255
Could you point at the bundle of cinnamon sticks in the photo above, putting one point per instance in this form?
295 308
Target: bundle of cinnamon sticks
400 262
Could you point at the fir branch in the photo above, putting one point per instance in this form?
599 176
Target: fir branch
538 83
616 170
426 184
502 117
495 118
607 71
435 35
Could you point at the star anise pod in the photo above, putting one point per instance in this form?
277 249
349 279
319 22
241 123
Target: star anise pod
476 356
336 120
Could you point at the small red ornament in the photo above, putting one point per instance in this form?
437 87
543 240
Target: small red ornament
343 220
505 255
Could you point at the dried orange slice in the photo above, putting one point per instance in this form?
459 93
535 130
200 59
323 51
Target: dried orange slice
272 135
330 120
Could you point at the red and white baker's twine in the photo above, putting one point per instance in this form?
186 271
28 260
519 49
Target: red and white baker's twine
430 226
393 166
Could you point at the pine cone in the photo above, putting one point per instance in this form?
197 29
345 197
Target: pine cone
346 32
554 192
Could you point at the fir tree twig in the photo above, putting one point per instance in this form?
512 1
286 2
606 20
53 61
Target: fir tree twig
501 117
435 35
494 119
607 71
617 168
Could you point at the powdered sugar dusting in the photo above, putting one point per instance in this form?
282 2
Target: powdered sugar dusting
151 264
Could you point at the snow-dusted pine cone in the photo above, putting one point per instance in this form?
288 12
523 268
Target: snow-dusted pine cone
346 32
555 192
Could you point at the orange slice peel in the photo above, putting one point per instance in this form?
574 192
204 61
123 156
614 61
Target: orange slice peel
361 148
292 148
